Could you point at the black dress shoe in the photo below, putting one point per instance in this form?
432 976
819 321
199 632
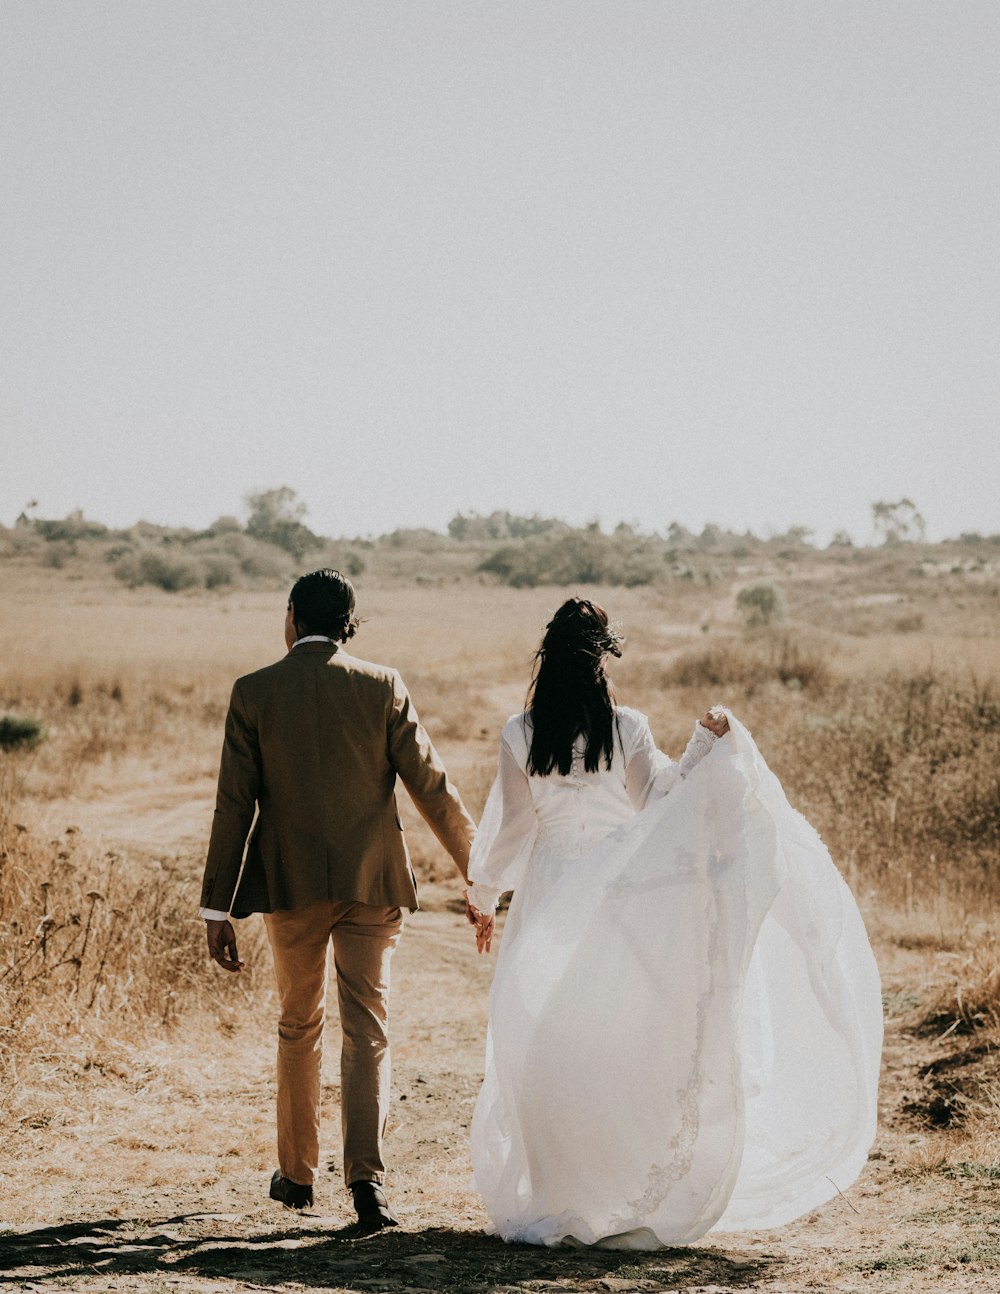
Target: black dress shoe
372 1209
290 1194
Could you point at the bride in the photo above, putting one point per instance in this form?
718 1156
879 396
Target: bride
685 1021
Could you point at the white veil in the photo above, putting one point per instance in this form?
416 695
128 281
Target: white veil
686 1029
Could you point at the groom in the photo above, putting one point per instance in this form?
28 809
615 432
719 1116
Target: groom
314 744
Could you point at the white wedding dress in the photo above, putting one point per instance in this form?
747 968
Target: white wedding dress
685 1021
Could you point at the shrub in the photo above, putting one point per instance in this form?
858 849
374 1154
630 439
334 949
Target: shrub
472 527
900 774
971 998
584 556
220 571
57 554
797 663
163 571
17 731
349 560
223 526
69 965
257 559
71 528
418 540
762 604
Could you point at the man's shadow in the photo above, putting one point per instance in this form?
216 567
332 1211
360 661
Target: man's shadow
312 1254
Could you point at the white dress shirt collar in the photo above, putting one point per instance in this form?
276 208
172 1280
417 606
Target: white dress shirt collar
312 638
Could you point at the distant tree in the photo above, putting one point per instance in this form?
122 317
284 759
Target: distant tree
72 527
584 555
276 517
472 526
762 604
575 557
898 523
796 536
841 539
522 527
224 526
459 526
419 538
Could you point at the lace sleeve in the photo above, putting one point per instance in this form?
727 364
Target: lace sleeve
649 774
702 741
505 837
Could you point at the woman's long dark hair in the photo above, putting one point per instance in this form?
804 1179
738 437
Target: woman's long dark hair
570 693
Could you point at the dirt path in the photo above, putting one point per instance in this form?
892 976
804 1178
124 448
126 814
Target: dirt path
150 1172
147 811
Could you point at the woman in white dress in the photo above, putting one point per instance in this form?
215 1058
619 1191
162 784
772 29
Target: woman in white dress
685 1021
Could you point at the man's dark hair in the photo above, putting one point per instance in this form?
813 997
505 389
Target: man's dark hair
324 604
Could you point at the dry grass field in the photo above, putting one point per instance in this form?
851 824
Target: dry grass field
136 1086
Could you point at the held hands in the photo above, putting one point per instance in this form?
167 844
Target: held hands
715 721
222 945
484 926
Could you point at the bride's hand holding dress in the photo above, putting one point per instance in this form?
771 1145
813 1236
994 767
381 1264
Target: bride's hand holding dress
714 721
685 1019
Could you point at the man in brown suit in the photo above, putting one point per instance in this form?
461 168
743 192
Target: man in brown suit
313 745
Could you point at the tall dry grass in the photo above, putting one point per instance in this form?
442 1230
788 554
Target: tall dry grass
898 769
100 956
100 948
890 745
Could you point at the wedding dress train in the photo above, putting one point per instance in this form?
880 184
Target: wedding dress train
685 1021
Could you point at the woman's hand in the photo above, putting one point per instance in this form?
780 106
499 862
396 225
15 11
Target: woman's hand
715 721
484 932
484 925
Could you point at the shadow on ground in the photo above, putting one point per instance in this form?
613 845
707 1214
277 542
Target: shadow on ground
311 1255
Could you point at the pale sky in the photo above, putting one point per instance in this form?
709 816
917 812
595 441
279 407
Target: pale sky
703 260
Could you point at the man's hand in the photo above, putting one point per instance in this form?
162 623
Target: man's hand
222 945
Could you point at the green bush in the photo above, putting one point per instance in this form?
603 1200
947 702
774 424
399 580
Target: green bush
57 554
70 529
219 572
468 527
585 556
165 572
762 604
17 731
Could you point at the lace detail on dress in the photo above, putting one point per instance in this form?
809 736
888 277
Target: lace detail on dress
664 1177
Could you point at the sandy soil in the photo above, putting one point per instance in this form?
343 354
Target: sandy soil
150 1173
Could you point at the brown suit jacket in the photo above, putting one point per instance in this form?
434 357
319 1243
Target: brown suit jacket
315 743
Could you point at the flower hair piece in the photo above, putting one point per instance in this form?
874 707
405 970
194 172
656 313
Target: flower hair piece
570 633
614 638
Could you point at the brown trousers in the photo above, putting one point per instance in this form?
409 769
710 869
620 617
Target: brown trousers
363 941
